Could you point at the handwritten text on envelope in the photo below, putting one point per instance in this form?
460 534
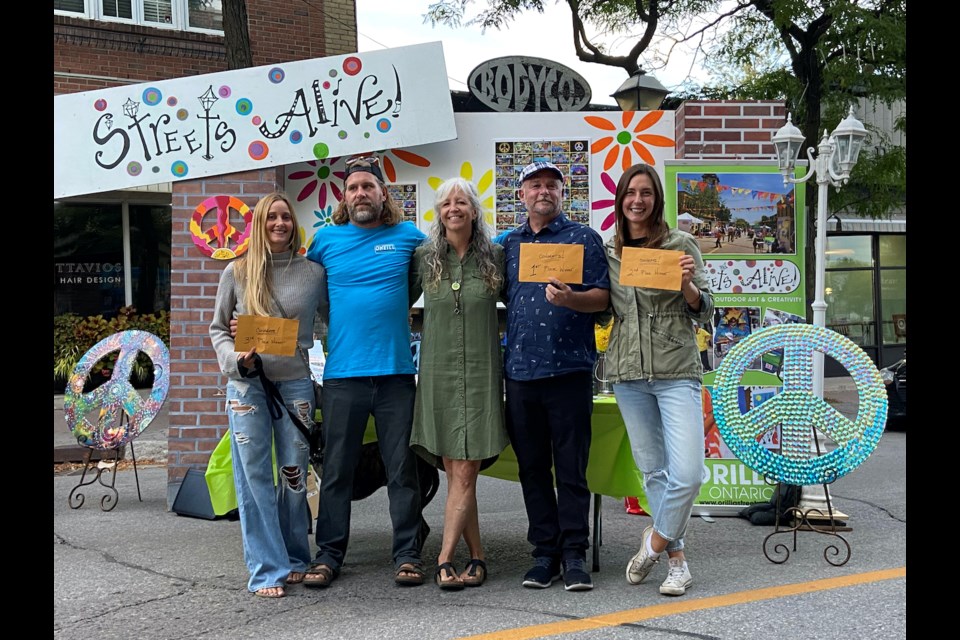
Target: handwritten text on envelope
269 335
651 268
540 261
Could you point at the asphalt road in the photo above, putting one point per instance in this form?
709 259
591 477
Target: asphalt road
142 572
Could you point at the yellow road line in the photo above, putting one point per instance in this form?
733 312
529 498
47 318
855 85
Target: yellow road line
686 606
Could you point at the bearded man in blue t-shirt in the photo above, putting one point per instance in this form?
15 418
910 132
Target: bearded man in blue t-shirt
369 368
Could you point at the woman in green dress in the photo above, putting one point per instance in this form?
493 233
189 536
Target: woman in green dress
458 417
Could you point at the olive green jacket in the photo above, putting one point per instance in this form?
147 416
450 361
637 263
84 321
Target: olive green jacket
653 335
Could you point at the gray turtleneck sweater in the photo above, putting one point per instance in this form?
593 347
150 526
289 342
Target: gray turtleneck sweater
300 286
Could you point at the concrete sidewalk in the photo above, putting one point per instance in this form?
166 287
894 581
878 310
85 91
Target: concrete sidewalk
140 571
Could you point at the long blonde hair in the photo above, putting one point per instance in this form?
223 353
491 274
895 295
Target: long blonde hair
436 245
251 270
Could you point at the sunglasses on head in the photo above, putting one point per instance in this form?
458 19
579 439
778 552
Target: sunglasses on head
363 160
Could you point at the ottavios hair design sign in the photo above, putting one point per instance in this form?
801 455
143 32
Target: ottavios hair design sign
250 118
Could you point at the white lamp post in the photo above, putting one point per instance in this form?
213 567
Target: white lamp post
836 156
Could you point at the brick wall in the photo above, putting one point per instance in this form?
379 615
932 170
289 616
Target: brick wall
195 401
735 130
281 30
91 55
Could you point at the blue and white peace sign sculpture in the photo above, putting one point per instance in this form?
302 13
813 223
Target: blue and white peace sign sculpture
796 409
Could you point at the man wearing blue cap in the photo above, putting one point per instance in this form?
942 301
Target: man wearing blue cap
548 370
369 368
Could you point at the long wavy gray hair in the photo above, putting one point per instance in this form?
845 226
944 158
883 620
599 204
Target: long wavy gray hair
436 246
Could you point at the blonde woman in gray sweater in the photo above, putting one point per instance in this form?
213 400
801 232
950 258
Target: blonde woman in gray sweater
272 279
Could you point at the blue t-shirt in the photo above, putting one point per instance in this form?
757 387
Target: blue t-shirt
367 280
544 340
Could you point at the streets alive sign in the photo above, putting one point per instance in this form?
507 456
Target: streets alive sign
247 119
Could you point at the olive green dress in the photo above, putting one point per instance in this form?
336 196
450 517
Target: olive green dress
459 405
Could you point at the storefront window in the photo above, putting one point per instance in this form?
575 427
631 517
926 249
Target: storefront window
89 272
87 259
893 305
849 297
845 252
893 251
150 257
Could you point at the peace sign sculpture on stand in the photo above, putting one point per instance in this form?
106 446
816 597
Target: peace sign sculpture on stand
119 413
801 415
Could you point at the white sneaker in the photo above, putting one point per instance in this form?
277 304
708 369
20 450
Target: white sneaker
678 578
640 565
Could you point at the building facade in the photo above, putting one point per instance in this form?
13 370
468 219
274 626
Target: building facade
132 247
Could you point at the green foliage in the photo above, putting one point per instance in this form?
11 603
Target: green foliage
74 335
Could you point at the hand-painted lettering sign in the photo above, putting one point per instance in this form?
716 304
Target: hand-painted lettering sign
250 118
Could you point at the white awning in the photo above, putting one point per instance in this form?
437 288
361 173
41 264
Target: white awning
866 225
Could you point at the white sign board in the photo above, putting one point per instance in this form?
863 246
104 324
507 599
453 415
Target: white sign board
247 119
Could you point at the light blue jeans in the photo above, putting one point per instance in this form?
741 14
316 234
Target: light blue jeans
274 519
664 421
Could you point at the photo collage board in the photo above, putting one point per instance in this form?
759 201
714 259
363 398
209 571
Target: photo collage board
572 157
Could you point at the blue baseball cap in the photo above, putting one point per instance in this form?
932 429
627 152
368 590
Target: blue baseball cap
534 167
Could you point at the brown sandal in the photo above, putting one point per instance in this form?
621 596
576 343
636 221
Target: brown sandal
414 577
475 573
448 571
295 577
322 574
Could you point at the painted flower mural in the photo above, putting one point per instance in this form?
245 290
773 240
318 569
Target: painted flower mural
485 182
610 186
321 179
626 140
390 171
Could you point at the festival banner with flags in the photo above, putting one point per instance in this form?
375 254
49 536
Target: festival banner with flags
750 228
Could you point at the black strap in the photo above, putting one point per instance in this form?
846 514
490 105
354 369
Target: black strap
276 404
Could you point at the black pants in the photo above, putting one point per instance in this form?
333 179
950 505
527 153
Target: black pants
705 360
548 422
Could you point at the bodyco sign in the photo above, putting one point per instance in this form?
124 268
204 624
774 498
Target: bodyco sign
521 83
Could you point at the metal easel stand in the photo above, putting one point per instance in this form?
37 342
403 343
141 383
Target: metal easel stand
108 501
810 520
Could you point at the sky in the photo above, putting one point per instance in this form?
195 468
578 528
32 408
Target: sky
397 23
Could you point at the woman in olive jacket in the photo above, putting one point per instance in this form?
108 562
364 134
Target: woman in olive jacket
654 365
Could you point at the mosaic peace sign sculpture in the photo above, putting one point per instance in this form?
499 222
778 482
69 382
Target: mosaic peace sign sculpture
121 414
796 409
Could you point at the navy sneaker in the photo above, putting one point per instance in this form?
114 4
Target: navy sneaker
544 573
575 577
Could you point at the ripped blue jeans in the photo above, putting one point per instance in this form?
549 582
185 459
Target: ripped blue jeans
664 421
274 518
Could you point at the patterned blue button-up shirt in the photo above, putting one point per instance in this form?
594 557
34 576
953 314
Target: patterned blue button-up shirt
544 340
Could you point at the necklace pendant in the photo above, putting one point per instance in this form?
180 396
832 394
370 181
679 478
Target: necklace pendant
455 286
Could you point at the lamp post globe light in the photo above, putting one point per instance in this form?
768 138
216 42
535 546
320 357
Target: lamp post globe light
640 92
836 156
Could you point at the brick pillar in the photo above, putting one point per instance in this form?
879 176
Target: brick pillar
195 401
728 129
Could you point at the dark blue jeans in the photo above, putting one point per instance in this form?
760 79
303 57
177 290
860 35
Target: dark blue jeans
348 404
548 422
